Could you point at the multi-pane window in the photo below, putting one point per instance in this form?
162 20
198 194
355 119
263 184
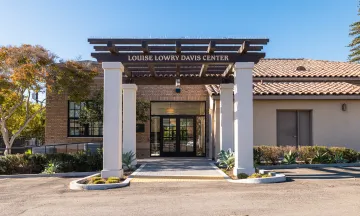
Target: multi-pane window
75 129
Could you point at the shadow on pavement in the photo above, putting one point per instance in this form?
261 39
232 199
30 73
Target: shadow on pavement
325 173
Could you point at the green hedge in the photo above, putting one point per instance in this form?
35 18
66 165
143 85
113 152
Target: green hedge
36 163
274 154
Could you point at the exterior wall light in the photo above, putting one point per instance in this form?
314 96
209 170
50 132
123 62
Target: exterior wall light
343 107
170 110
177 86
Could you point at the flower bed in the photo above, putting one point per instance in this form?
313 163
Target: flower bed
111 180
245 176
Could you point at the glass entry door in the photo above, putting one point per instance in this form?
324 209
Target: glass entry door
177 136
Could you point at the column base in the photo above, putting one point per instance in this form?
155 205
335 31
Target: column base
247 171
112 173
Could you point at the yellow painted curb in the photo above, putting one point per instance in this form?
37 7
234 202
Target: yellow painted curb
144 180
180 177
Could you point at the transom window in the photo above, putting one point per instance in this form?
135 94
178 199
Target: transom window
75 129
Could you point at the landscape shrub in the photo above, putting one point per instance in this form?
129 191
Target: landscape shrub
101 181
351 155
60 162
242 176
271 154
258 175
112 180
306 153
257 155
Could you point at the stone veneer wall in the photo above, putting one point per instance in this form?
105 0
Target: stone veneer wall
57 113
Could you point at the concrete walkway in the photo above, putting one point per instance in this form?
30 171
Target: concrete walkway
178 168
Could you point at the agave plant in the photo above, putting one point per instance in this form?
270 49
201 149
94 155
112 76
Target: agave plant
290 158
52 167
339 158
128 158
320 158
226 159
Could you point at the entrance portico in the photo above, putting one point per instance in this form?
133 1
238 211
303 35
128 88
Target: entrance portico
178 62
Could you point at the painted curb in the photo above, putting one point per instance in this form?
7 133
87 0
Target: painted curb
295 166
275 179
76 185
70 174
226 177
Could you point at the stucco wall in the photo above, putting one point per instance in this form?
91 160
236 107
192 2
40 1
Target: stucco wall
331 125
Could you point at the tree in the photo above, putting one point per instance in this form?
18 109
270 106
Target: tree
354 56
28 70
35 128
93 109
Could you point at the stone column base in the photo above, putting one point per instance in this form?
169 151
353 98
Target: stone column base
247 171
112 173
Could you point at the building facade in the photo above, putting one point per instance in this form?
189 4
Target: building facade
296 102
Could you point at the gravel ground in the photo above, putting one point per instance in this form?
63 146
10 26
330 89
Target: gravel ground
307 195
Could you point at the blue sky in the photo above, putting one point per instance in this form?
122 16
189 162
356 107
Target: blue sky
316 29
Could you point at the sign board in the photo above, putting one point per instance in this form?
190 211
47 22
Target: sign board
199 58
177 58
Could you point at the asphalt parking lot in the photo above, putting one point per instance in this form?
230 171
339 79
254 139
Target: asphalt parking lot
327 191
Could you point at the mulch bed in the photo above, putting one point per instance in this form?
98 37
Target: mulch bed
229 173
127 173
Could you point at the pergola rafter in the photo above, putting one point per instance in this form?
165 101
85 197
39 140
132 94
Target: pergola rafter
182 58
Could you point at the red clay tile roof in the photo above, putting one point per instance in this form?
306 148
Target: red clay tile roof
285 68
313 68
298 88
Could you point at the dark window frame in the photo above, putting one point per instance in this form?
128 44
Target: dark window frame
87 128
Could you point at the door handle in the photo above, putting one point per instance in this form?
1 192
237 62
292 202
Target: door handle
295 136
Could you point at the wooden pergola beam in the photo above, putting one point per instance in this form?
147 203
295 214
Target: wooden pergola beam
178 47
210 50
178 51
110 47
229 70
126 70
200 48
152 70
243 50
190 80
145 49
244 47
173 41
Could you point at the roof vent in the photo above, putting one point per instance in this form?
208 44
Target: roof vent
301 68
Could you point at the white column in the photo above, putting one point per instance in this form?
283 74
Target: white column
210 133
226 117
129 121
243 118
217 129
112 136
